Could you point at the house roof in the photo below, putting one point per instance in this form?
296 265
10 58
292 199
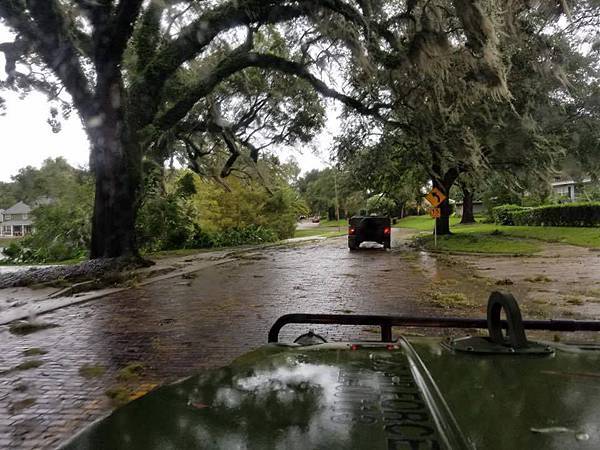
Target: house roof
571 182
18 208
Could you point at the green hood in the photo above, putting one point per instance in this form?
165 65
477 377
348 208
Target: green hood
415 394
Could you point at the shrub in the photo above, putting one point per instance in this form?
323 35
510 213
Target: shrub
251 234
566 215
164 223
503 215
62 230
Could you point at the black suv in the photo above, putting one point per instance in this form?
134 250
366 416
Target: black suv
369 228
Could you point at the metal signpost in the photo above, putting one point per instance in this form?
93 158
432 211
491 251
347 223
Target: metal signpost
435 197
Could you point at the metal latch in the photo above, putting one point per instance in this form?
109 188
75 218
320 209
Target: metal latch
514 342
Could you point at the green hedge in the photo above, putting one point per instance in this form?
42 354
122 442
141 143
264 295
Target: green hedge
566 215
503 215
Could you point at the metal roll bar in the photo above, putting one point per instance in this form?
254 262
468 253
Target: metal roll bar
387 322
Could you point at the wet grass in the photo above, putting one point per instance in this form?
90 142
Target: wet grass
180 252
422 223
538 279
325 232
449 300
343 223
576 300
119 395
479 243
581 236
131 372
20 405
22 328
92 370
59 283
34 352
5 242
124 393
27 365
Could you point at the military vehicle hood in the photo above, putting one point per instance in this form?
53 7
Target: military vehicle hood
414 394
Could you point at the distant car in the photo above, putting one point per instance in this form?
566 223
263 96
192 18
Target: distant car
315 220
369 229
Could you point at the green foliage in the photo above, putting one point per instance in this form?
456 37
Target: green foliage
164 223
92 370
280 212
503 215
382 205
55 178
197 213
245 203
8 195
566 215
251 234
62 228
318 189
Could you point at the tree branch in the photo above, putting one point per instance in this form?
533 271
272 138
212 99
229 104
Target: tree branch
56 48
237 61
122 25
196 36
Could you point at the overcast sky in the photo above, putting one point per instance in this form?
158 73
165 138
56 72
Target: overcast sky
26 138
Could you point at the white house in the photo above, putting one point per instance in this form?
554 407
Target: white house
16 220
566 188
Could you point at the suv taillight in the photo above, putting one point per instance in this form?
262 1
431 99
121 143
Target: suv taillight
351 230
387 230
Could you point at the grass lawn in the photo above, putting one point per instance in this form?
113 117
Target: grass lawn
320 231
481 243
334 223
5 242
492 238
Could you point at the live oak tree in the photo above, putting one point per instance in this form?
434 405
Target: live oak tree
552 119
81 46
433 62
247 114
466 111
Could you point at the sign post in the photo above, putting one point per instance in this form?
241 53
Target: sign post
435 213
435 197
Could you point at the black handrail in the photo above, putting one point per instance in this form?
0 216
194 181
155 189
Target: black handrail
387 322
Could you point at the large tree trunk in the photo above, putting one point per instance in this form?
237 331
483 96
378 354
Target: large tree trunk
442 224
467 211
116 163
113 223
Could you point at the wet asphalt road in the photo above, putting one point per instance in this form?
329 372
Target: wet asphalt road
176 327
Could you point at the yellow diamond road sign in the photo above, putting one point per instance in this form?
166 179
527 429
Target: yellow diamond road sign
435 197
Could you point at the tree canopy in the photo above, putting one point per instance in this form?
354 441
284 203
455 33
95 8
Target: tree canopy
218 80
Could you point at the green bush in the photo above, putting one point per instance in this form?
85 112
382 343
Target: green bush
164 223
251 234
565 215
62 230
503 215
